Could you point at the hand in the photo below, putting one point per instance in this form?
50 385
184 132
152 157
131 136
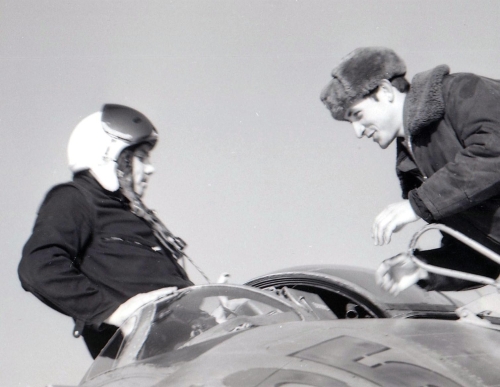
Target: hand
126 309
398 273
392 219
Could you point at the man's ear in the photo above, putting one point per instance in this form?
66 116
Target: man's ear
386 90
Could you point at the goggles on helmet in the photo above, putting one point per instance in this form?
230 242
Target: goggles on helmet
129 125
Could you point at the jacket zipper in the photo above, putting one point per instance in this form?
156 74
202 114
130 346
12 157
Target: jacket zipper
131 242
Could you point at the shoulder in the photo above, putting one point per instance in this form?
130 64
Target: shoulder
469 86
81 187
66 199
466 83
65 191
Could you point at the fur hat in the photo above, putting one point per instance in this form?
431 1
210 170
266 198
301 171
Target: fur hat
358 74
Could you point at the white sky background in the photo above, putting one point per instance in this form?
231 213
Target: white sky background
251 169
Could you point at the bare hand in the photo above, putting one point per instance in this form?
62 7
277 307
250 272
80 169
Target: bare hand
392 219
398 273
126 309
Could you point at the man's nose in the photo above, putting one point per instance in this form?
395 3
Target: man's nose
149 168
359 129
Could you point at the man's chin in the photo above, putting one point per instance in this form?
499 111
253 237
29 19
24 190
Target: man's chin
139 191
384 144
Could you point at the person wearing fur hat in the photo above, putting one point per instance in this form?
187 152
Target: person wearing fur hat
447 133
97 253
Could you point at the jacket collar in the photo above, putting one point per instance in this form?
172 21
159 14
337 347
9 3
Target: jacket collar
86 178
424 103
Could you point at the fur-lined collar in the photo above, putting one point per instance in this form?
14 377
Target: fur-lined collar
424 103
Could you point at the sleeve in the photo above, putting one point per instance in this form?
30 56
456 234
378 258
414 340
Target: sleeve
472 108
49 266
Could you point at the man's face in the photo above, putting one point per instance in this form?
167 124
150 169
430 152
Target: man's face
376 118
141 169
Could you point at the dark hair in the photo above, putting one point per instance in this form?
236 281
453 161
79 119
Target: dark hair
399 83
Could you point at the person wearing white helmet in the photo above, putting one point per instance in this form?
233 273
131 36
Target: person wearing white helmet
96 252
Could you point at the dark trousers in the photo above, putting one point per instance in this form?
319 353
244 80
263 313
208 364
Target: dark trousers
457 256
96 339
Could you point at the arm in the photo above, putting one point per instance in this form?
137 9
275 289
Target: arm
472 177
49 267
472 107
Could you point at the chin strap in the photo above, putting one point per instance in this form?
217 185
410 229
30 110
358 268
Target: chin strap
168 240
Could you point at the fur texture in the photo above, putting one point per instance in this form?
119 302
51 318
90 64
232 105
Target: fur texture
358 74
424 103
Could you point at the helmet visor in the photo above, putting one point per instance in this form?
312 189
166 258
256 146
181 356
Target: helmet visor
128 125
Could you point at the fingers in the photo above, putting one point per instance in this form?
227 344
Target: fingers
155 294
385 280
392 219
384 225
397 273
143 298
388 283
395 289
126 309
383 277
380 272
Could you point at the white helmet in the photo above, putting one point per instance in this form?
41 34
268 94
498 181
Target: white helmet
97 141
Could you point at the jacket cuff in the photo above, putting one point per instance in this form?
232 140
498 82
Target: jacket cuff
419 207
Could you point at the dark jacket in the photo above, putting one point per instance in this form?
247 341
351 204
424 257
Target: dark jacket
449 162
88 253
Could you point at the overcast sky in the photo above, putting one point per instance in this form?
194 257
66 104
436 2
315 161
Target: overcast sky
251 170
